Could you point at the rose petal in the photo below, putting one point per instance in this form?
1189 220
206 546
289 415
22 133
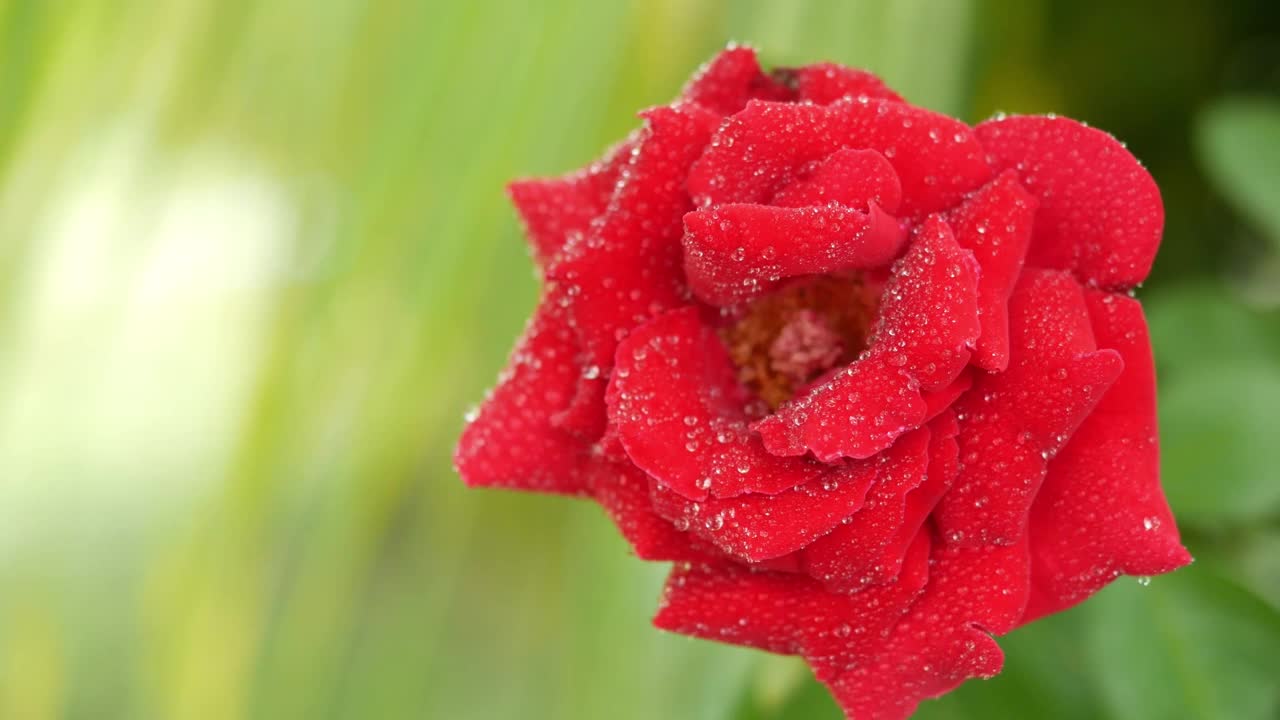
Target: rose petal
928 320
995 224
585 416
786 613
730 79
733 253
945 639
627 268
623 491
767 146
944 464
939 401
846 560
881 651
555 209
1013 421
511 442
679 411
759 527
1101 511
825 83
1100 212
852 178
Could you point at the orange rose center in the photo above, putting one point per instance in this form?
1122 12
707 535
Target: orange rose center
789 338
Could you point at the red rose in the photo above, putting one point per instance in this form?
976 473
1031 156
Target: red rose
870 376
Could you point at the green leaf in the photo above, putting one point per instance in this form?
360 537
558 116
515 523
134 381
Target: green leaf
1192 646
1218 438
1239 144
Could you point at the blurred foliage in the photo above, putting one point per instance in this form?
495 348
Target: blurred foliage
1240 143
255 261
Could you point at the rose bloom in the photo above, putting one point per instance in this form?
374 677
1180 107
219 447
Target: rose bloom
874 379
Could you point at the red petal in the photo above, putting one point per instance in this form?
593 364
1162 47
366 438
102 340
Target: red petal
767 146
627 268
944 463
930 316
555 209
1012 422
937 402
585 416
787 613
857 413
848 559
736 252
1101 511
929 319
995 223
678 409
623 491
1100 212
731 78
511 442
944 639
853 178
825 83
762 527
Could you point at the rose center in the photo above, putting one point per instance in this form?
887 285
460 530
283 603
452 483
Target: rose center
784 341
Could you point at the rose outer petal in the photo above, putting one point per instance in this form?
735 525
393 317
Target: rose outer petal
882 650
1100 212
555 209
787 613
768 145
928 322
995 224
626 269
825 83
945 638
678 410
623 491
511 442
1012 422
1101 512
730 79
733 253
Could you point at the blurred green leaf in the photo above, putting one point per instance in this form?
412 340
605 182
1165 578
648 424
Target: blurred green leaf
1202 326
809 700
1192 645
1219 444
1239 144
1252 558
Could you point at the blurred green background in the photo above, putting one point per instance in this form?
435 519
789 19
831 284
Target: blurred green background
256 261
